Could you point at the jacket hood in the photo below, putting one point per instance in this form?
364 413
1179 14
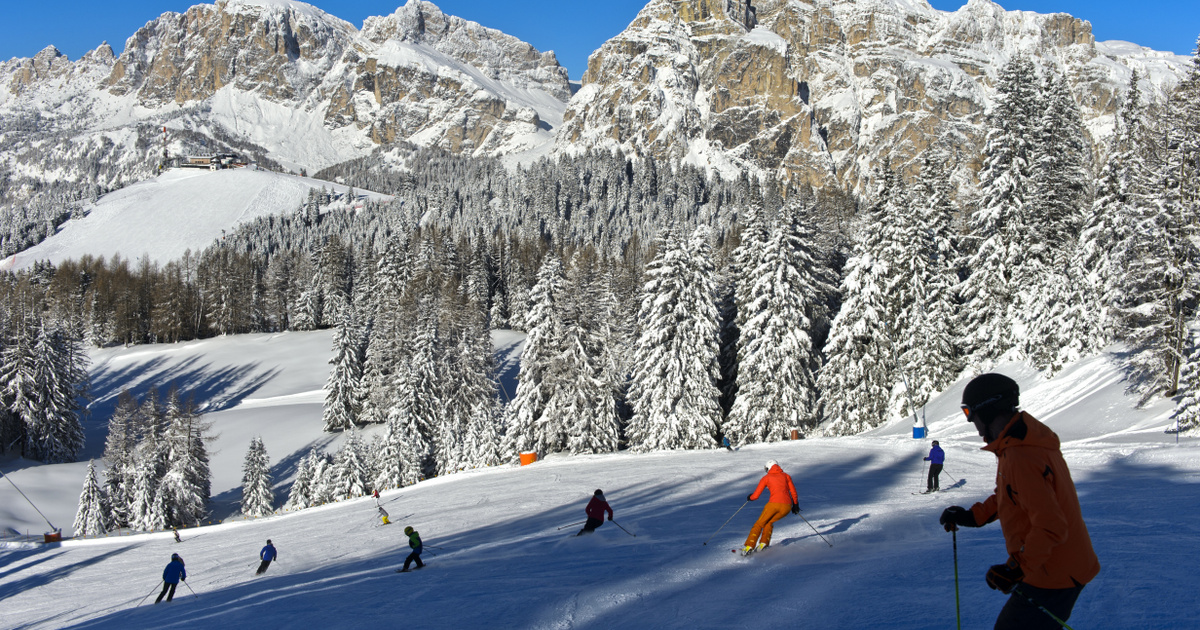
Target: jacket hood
1024 430
775 469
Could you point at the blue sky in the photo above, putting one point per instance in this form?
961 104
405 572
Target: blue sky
571 28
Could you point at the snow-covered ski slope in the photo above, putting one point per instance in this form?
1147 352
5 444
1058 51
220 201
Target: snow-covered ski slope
179 210
502 561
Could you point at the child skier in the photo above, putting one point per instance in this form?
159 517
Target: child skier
414 541
782 499
266 555
171 576
936 458
595 513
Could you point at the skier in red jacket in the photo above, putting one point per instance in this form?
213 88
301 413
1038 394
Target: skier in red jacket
595 512
782 500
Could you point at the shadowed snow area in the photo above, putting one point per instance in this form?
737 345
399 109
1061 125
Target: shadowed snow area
498 558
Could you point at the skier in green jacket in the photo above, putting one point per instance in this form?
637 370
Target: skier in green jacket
414 541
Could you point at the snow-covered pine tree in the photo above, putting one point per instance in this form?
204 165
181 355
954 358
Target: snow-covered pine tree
860 373
183 493
397 463
485 443
528 428
586 399
673 390
45 383
343 390
351 477
1162 282
927 350
419 390
120 454
999 228
1187 410
744 261
257 497
322 480
300 495
384 350
91 519
776 389
1059 327
144 514
1121 189
471 394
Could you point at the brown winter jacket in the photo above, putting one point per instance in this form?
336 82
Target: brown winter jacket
1037 506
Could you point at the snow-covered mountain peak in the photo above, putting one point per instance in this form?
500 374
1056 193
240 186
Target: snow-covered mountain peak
277 6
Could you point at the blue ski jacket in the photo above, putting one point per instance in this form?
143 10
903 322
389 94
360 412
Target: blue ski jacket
936 455
174 572
267 553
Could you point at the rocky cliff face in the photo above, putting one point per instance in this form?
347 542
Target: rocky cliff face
821 91
308 86
817 91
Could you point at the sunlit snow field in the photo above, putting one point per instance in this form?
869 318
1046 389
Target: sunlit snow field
502 562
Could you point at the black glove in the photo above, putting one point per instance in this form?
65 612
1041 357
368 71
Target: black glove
1005 577
750 497
926 459
795 508
955 517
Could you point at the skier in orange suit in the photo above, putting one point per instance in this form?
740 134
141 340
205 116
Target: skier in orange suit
782 500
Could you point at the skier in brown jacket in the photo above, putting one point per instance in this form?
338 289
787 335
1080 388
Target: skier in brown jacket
1050 553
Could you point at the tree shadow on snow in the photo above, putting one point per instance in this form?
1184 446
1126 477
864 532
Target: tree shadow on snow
213 389
224 505
10 588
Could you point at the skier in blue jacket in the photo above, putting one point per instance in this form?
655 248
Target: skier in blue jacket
936 458
266 555
171 576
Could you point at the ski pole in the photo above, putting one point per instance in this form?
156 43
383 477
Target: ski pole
726 522
190 589
814 529
957 606
572 525
1042 608
623 529
149 594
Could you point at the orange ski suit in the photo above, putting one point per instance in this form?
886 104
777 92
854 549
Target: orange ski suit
1038 508
782 496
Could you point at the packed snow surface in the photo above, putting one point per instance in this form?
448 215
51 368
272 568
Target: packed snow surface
181 209
500 542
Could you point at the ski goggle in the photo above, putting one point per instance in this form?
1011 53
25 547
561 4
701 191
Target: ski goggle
971 410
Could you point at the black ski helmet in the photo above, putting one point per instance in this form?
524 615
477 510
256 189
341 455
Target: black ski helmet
990 395
597 493
935 442
268 541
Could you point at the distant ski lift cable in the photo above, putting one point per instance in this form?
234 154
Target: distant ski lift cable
35 508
